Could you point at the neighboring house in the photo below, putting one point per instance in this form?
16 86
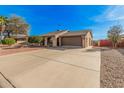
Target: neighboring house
122 36
104 43
108 43
68 38
18 37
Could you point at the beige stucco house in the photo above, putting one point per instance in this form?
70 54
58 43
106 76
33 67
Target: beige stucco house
122 37
68 38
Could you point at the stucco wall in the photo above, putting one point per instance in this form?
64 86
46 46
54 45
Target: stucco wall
88 39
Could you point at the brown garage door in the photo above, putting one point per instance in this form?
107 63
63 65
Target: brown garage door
71 41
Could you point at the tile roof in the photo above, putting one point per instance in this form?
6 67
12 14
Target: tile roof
20 36
69 33
53 33
76 33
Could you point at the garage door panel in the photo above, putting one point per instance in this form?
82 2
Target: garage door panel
72 41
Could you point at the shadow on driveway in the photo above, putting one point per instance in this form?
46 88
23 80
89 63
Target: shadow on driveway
93 49
62 48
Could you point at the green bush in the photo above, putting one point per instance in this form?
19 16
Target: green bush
8 41
95 43
35 39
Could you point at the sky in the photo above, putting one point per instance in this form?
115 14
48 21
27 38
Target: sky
48 18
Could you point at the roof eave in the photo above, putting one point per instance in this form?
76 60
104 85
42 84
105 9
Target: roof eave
47 35
71 35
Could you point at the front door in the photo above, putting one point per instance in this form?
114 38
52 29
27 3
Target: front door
49 42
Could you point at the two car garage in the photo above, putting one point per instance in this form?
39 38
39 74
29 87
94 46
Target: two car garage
71 41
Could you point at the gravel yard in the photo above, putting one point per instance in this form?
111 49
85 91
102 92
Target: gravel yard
112 68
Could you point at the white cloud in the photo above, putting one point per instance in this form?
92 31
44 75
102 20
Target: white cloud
112 13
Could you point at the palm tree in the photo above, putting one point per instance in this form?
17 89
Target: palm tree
3 22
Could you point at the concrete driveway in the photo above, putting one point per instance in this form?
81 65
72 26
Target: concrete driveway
63 68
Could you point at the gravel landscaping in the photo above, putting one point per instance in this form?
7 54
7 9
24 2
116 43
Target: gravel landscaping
112 68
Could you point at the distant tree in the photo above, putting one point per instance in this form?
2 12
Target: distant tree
114 34
3 22
16 25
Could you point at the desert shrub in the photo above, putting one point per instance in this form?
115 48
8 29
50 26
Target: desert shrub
95 43
35 39
8 41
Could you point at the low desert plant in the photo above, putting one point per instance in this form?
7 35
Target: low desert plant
35 39
95 43
8 41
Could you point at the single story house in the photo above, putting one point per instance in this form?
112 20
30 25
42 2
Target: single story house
68 38
122 36
18 37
